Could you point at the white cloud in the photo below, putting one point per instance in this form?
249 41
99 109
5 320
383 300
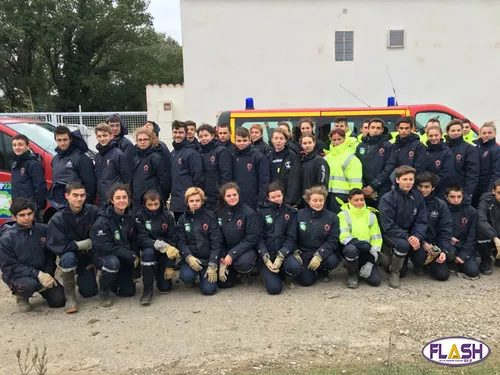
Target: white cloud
167 17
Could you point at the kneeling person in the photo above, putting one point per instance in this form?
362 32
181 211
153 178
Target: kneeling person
488 229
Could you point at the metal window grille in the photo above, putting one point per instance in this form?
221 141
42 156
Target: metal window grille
344 45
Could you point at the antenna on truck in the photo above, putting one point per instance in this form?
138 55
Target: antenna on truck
390 80
365 103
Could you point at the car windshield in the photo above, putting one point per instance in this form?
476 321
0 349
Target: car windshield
40 133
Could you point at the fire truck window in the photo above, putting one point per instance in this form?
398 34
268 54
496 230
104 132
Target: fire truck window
422 117
267 126
6 152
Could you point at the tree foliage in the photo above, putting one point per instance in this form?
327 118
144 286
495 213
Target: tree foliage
100 54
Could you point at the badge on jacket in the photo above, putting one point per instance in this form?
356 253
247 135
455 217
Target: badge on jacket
219 220
362 150
269 219
148 225
302 226
187 226
117 235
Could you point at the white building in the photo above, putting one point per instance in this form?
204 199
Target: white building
297 53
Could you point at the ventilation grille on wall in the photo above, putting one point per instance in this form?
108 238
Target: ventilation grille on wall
396 39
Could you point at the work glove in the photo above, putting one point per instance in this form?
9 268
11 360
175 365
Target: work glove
315 262
297 256
161 246
84 245
211 273
496 241
267 261
137 260
172 252
223 272
432 253
46 280
169 274
278 261
374 252
366 270
194 263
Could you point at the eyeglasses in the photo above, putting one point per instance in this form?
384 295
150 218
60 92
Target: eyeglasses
143 140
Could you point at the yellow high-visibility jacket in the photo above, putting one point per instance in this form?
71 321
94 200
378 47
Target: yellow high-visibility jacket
361 224
470 138
346 172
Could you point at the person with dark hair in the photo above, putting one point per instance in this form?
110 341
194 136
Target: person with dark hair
165 152
157 239
111 165
363 130
440 160
317 238
306 126
186 167
489 160
378 160
315 170
463 253
28 175
403 218
350 138
407 146
217 164
68 237
71 164
224 137
241 230
27 265
278 240
120 130
285 167
488 229
361 240
469 135
251 170
113 238
257 138
200 242
191 134
437 239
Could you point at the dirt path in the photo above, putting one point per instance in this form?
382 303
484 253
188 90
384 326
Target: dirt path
184 332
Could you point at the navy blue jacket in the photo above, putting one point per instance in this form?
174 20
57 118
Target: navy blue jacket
278 231
155 225
66 227
72 165
288 173
196 143
489 161
410 151
229 145
439 224
314 170
251 172
164 148
23 253
464 218
187 171
28 179
488 218
199 235
378 159
111 167
440 161
403 214
240 228
319 148
123 143
217 169
262 146
318 231
466 159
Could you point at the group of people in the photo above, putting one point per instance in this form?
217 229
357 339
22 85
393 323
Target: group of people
285 210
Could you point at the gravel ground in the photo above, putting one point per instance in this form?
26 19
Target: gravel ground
245 329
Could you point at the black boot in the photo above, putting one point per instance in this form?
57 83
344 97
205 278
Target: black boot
105 299
106 280
353 274
147 280
396 265
246 279
485 266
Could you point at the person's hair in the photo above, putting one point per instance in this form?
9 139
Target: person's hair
224 188
116 187
151 195
496 184
225 125
406 120
258 127
21 204
74 186
284 123
434 119
312 136
178 125
103 128
338 131
489 124
321 190
353 192
404 169
455 188
275 186
190 123
427 177
376 119
195 191
434 127
242 132
454 122
207 128
308 120
465 121
151 135
365 121
61 130
21 137
338 120
113 119
281 131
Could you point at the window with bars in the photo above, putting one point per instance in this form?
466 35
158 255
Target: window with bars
396 39
344 45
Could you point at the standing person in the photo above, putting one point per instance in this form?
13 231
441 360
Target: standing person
154 127
378 159
27 265
488 229
466 159
112 237
403 218
346 171
191 134
363 130
463 252
68 237
361 239
315 170
224 136
257 138
306 126
217 164
278 240
317 238
285 167
431 122
120 130
157 239
285 126
149 172
350 139
469 135
251 170
440 160
407 146
186 167
28 175
241 231
71 164
489 160
200 242
111 165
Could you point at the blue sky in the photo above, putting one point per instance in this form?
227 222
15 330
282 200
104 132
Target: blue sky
167 17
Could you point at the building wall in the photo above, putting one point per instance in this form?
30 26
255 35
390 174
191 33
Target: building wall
281 53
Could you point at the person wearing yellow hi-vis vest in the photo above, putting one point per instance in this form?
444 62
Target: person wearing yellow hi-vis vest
361 239
469 135
363 130
346 172
350 139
